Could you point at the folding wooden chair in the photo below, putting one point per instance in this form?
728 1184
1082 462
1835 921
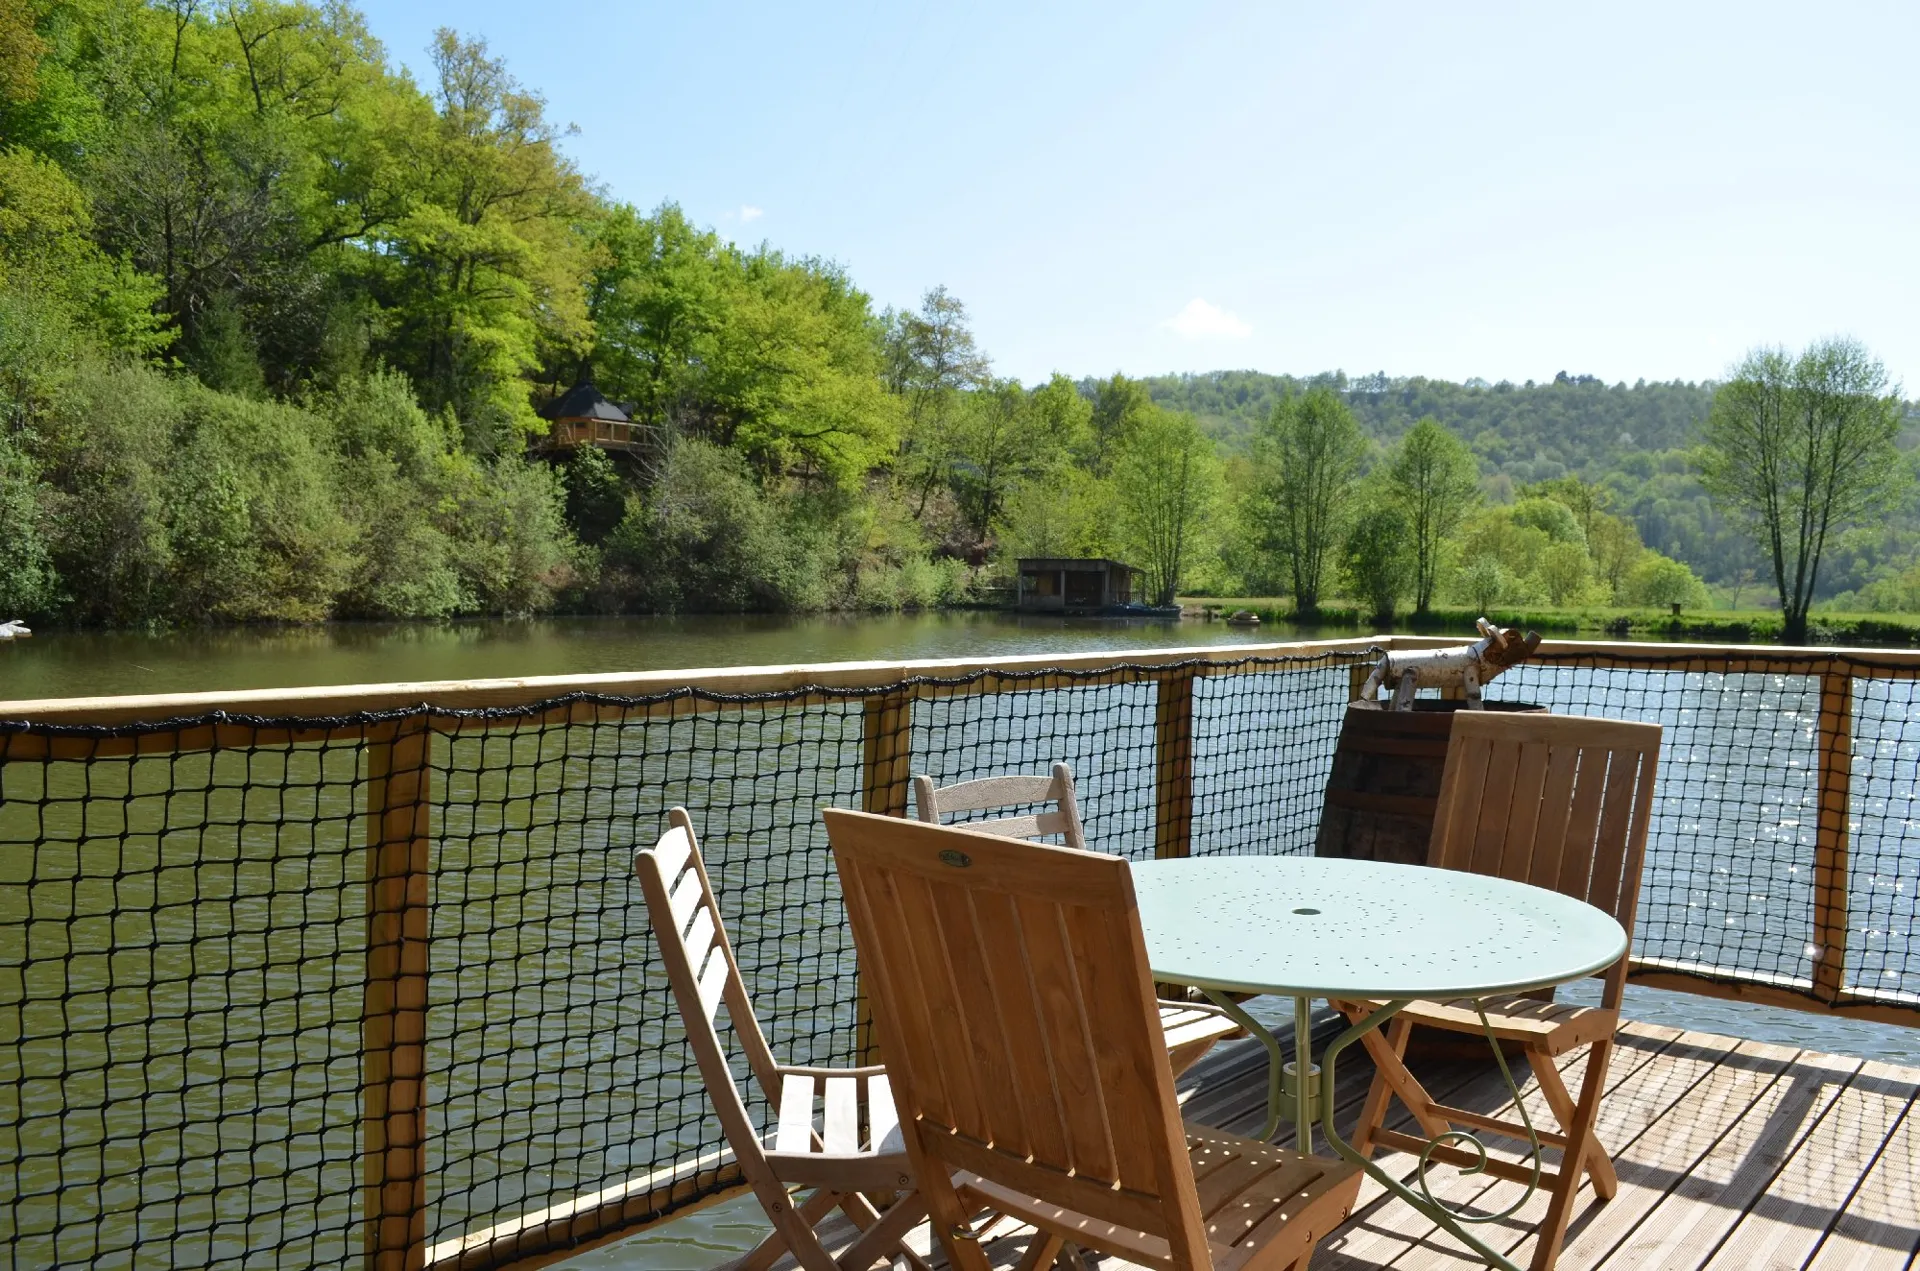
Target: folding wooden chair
1191 1028
1010 988
856 1149
1562 802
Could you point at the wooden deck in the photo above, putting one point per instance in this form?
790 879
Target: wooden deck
1731 1154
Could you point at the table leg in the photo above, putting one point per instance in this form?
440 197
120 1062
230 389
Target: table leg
1276 1058
1421 1200
1302 1072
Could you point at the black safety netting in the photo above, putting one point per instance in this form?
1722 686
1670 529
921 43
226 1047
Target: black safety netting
184 927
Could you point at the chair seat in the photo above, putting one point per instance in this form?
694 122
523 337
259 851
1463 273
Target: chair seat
831 1148
1191 1032
1552 1027
1264 1206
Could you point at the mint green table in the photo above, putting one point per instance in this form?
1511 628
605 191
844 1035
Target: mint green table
1305 927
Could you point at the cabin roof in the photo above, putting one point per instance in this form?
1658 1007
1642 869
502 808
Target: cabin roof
583 401
1030 563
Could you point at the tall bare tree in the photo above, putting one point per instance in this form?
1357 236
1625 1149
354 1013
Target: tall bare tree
1167 482
1309 454
1798 448
1435 481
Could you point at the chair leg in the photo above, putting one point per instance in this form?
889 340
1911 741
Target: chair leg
1390 1077
883 1237
1598 1165
784 1238
1042 1252
1553 1232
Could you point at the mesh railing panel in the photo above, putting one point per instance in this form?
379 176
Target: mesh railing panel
184 937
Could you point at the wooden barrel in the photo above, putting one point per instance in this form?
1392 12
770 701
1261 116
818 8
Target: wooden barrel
1381 797
1385 781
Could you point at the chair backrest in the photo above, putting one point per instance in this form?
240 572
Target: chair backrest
1559 801
934 804
703 974
1010 989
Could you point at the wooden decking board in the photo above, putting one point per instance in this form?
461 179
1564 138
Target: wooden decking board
1874 1228
1731 1155
1805 1201
1696 1215
1400 1236
1653 1163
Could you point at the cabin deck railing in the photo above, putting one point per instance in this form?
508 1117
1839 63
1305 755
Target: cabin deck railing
353 976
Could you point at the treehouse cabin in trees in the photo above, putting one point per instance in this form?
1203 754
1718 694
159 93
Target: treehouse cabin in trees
582 416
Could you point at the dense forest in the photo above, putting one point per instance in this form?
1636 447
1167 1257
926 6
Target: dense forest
277 323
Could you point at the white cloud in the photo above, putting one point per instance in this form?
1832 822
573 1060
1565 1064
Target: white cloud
1203 321
748 212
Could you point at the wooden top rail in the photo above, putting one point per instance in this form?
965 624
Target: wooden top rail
336 700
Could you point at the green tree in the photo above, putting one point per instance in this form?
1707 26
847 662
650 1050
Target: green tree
1485 582
1119 406
1167 485
1660 581
486 267
931 359
1000 442
1565 571
1377 558
1434 479
1798 448
1614 545
1306 459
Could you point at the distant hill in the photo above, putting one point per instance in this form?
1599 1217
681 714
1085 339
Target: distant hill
1632 439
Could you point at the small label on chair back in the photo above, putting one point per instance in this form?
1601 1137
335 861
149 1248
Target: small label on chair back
958 860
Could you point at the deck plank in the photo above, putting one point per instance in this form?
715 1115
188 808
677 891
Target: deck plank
1645 1079
1786 1225
1716 1191
1684 1136
1876 1229
1731 1154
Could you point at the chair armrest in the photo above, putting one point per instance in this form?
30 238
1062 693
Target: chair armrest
805 1070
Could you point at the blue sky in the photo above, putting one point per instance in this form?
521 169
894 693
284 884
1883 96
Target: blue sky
1496 190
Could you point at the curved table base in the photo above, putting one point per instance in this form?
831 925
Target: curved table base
1423 1199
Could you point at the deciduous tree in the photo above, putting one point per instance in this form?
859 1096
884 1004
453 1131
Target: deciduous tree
1798 448
1434 479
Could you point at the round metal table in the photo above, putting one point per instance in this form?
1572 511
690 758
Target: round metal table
1308 927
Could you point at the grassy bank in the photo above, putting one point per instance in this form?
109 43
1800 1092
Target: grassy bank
1744 626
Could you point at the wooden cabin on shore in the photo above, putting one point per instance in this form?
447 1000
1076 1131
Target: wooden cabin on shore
1061 584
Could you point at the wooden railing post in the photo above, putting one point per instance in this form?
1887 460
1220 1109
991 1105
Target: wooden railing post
886 775
1173 764
1831 844
393 1023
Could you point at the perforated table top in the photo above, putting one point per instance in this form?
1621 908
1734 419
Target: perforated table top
1313 927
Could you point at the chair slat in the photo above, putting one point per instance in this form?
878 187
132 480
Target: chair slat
672 852
1496 807
942 1000
1616 823
882 1118
1556 807
795 1133
1583 823
1456 817
842 1132
713 983
686 898
992 792
1022 1021
699 938
1012 827
1523 818
1068 1038
1125 1058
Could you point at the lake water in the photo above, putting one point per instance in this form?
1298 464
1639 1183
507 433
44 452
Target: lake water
1728 735
88 663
